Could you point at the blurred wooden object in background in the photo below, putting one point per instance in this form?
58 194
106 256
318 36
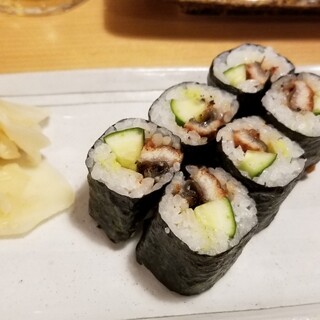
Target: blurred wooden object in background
250 6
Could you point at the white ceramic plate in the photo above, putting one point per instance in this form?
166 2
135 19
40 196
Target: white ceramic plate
68 269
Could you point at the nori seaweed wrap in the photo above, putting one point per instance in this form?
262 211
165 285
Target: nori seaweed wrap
247 71
267 163
201 227
292 105
194 112
116 214
129 165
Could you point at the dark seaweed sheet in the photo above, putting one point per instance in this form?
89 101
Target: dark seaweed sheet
119 216
200 155
311 145
268 199
179 268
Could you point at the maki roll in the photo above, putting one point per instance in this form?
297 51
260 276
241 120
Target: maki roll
202 224
264 160
248 71
194 112
293 107
128 167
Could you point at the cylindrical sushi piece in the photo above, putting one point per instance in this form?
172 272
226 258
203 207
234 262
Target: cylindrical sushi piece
194 112
129 165
267 162
293 107
248 71
203 222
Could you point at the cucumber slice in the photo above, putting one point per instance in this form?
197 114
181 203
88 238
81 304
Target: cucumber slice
236 75
192 93
184 110
126 145
218 216
316 103
255 162
279 147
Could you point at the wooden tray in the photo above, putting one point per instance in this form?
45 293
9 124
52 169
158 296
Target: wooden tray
250 6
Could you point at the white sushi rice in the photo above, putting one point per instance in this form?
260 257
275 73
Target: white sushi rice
276 102
161 114
181 220
283 170
250 53
103 166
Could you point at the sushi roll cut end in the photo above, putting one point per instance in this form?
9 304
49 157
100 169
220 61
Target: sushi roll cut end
134 160
193 111
210 211
261 152
249 67
294 101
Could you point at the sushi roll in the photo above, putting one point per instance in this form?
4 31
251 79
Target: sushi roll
293 106
267 162
128 166
248 71
194 112
202 223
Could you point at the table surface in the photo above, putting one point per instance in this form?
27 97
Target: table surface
144 33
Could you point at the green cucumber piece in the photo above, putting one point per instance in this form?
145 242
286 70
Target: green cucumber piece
279 147
184 110
126 145
316 103
255 162
192 93
236 75
217 215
